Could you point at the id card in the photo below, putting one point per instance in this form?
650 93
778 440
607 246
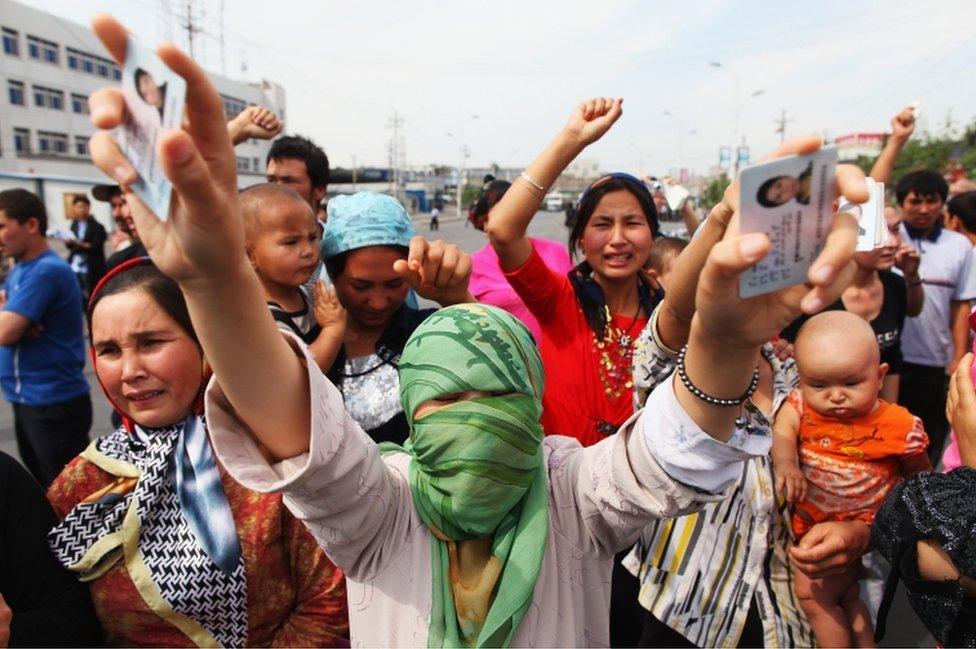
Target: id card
154 101
790 200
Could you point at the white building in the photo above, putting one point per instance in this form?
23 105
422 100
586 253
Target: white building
48 67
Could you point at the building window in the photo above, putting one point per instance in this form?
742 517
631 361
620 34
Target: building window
21 141
48 98
42 50
56 143
92 64
11 42
233 106
243 164
81 145
256 164
15 90
79 104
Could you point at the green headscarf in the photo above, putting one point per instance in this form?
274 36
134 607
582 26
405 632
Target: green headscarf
477 465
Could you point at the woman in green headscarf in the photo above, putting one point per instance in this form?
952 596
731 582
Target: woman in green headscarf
477 513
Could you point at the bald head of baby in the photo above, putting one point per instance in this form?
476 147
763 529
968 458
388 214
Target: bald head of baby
838 359
267 205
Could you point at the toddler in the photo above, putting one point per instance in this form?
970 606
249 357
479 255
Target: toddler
281 239
664 251
854 448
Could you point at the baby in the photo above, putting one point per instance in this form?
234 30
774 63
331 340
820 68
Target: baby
854 448
664 251
281 239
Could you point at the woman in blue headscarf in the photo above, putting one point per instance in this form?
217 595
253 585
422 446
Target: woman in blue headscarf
365 247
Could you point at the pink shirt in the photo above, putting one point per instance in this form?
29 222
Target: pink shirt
489 284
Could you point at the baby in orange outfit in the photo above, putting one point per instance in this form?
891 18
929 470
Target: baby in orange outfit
854 448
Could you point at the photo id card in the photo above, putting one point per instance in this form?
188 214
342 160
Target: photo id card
790 200
154 101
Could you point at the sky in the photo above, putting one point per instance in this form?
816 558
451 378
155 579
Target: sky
502 77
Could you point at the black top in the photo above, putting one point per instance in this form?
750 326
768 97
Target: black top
133 250
95 256
51 608
887 326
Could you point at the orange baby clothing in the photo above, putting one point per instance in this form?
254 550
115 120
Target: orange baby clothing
852 465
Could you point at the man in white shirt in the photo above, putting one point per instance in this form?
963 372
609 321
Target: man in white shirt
935 340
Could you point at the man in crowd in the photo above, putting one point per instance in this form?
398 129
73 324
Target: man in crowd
42 348
297 162
122 216
935 340
86 251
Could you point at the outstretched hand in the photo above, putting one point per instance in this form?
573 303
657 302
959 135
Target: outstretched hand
437 271
202 239
748 323
591 119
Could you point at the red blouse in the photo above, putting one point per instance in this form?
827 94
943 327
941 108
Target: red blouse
588 388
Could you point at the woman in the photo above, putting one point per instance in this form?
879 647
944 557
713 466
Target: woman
925 531
365 246
510 543
883 298
590 318
488 282
176 552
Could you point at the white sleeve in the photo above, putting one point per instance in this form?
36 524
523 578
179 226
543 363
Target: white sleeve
356 506
690 455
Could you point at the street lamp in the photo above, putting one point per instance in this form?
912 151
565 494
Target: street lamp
464 154
735 138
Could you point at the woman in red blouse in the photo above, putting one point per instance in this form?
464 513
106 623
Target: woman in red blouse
590 317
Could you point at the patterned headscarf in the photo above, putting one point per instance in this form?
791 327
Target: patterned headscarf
477 466
365 219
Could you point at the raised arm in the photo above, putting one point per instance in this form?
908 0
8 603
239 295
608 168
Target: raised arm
254 123
727 331
511 216
201 246
902 127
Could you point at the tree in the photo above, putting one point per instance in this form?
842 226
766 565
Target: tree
713 192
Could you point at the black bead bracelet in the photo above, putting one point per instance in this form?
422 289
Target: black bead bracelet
707 398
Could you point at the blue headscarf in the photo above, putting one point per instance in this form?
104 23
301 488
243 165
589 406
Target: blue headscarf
365 219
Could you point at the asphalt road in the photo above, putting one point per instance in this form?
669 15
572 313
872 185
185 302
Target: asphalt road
904 629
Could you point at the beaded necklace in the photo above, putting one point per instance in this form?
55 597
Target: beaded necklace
616 351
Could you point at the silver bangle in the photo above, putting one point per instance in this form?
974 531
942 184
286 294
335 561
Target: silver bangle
527 178
707 398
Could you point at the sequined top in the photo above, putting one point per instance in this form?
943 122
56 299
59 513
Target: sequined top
371 391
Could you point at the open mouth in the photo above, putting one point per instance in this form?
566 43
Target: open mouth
144 396
618 259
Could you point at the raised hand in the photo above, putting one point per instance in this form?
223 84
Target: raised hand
907 260
437 271
747 323
329 312
254 123
591 119
202 237
903 124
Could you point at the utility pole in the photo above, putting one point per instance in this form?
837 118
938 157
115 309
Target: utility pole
354 171
395 153
190 27
781 129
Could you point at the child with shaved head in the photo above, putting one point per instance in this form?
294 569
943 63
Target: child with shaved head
853 448
281 239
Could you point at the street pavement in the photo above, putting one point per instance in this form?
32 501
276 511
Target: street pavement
903 630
